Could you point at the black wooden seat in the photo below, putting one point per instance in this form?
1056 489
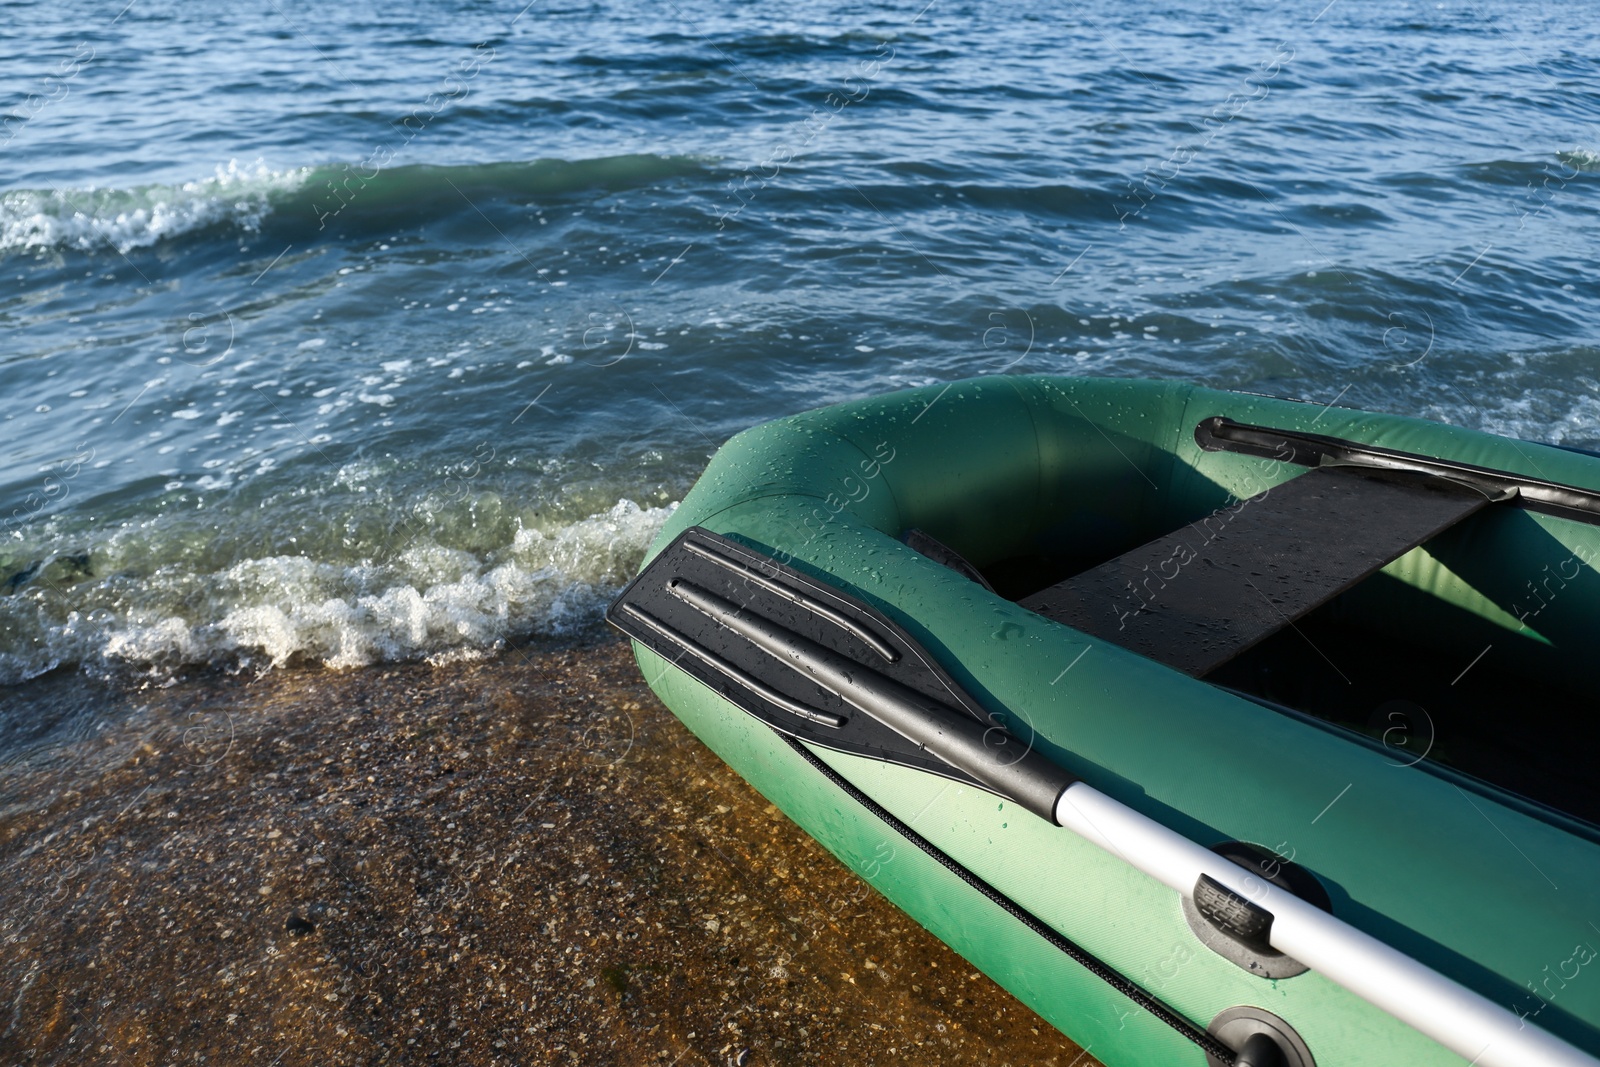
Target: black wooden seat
1197 597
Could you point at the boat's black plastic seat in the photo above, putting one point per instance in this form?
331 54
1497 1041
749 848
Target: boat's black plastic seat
1199 596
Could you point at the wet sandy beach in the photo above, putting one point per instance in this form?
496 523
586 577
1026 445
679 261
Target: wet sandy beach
524 860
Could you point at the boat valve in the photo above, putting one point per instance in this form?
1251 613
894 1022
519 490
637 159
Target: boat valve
1259 1039
1259 1050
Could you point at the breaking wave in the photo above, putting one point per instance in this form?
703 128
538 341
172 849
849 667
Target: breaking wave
236 197
304 201
101 610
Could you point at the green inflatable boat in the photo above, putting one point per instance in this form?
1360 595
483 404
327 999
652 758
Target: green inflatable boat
1215 727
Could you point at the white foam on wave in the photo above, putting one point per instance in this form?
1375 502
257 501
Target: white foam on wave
125 219
1584 159
429 602
1569 415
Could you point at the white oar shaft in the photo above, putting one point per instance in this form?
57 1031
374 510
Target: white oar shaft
1483 1032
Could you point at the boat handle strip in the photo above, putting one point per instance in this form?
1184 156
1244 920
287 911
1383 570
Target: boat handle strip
815 607
732 673
1220 434
1461 1020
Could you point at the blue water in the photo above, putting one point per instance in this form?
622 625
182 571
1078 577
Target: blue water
339 333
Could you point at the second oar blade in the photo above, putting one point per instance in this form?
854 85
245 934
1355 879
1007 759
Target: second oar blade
790 649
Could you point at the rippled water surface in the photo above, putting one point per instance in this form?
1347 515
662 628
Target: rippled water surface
342 333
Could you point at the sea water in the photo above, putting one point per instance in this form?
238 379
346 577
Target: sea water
341 334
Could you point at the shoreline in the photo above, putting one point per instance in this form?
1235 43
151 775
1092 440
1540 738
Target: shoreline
519 860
